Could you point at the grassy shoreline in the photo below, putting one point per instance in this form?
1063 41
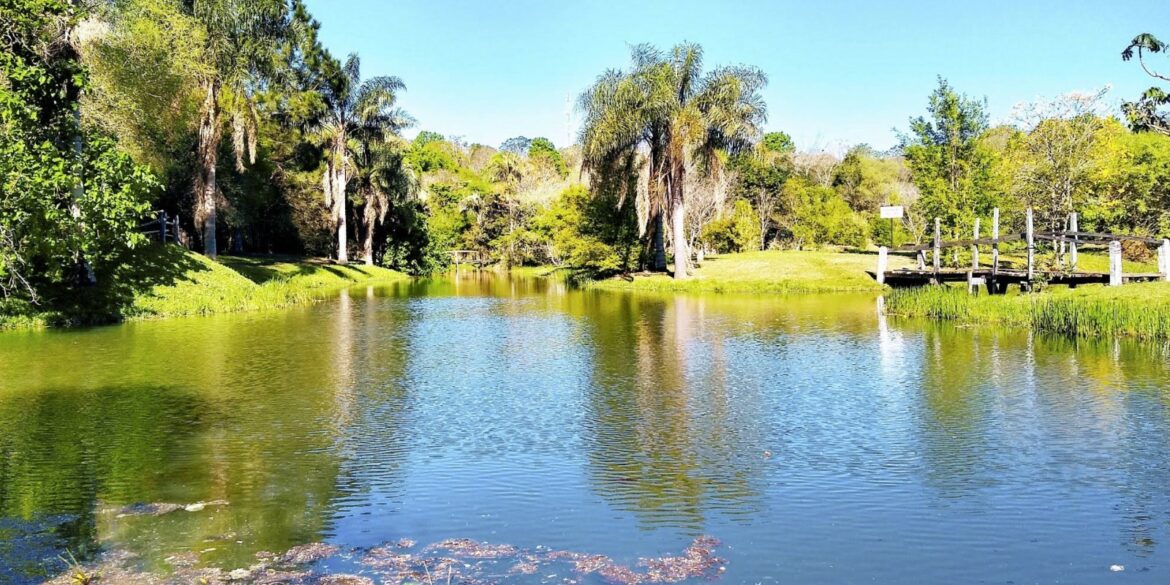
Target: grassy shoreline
168 281
1137 310
770 272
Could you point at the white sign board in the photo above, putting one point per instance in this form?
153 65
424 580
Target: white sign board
892 212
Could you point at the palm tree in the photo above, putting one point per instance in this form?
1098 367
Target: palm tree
667 106
364 112
381 180
240 40
619 129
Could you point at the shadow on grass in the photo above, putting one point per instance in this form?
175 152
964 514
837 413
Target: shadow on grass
274 268
132 276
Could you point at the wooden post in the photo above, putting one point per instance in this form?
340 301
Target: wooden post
162 226
1072 246
975 248
1030 236
937 248
1164 259
883 261
1115 263
995 242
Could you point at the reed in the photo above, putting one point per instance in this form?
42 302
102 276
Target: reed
1138 310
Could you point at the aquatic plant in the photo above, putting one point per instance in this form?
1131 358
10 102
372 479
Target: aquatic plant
1138 310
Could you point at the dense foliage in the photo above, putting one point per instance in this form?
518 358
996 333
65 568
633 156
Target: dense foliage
70 200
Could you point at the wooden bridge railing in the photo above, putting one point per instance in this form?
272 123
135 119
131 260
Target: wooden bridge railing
474 257
1065 242
163 228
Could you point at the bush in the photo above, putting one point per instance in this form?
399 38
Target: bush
737 232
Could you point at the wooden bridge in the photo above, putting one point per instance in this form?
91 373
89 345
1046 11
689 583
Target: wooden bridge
996 278
476 258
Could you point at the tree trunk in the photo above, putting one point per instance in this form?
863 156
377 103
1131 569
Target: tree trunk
678 214
208 156
657 208
368 243
339 200
658 242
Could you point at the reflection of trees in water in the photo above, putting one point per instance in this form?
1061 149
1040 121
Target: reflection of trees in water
1017 408
658 436
65 450
246 428
374 339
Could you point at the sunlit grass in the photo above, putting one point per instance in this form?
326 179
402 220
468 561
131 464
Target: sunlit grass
236 284
168 281
771 272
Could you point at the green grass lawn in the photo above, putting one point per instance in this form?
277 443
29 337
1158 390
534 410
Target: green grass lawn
772 272
169 281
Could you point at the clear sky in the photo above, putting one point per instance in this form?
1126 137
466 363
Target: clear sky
840 72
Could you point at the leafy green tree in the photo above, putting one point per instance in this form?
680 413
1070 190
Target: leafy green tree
517 145
760 177
818 216
426 137
584 232
542 152
947 162
365 112
1147 112
382 181
738 231
70 200
866 180
779 142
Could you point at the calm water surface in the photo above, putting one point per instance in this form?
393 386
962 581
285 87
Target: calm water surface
818 442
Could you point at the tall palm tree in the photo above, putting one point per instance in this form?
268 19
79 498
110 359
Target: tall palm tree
381 180
668 107
619 129
365 112
241 40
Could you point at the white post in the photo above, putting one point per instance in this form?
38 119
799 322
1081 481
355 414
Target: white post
883 261
975 248
1115 263
1072 247
1030 235
1164 259
937 247
995 243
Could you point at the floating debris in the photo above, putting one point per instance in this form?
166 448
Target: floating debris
308 553
456 561
161 508
465 547
1117 568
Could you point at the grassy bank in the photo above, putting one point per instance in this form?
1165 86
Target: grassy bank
771 272
1135 310
169 281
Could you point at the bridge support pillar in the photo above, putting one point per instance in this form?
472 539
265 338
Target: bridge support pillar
1115 263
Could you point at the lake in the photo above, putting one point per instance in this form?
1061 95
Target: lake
817 441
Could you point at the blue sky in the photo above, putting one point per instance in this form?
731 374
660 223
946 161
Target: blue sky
841 72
